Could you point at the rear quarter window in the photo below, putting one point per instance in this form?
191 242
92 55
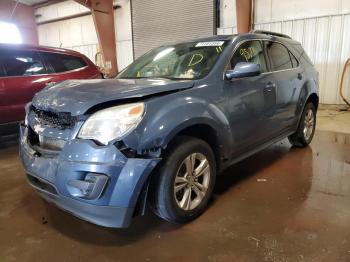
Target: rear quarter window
63 63
295 62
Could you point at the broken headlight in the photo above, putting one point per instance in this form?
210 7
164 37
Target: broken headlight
112 123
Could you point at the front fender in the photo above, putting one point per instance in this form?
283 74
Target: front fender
167 116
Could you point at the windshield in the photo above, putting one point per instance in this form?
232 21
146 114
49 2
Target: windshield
182 61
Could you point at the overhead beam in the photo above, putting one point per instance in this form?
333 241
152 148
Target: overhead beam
63 18
103 15
243 13
46 3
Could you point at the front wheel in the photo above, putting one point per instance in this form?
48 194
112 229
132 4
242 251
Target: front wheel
306 129
184 184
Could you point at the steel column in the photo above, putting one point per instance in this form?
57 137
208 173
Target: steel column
103 15
243 10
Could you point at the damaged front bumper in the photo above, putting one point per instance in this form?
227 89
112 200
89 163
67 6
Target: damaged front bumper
96 183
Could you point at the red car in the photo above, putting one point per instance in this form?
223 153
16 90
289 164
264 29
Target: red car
25 70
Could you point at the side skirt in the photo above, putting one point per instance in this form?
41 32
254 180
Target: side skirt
255 150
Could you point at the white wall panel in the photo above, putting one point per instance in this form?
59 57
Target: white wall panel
79 33
277 10
226 31
322 27
228 13
228 21
59 10
122 25
345 52
88 50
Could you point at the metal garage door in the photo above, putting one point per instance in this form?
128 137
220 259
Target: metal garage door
156 22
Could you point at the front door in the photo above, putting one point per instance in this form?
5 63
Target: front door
252 99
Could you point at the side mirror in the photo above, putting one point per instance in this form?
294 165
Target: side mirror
243 69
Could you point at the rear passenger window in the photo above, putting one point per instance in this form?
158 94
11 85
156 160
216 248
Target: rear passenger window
22 63
62 63
252 52
279 56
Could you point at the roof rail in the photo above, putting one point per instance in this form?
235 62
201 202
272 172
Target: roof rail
269 33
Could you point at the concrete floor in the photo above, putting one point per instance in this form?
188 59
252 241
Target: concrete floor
282 204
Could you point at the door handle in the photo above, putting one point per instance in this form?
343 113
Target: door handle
300 76
269 86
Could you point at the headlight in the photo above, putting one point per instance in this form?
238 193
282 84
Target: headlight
112 123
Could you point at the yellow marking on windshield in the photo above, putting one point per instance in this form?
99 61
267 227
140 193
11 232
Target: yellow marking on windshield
193 61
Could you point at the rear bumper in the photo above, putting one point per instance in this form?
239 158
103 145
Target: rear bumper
51 176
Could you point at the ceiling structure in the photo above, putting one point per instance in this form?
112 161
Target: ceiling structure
32 2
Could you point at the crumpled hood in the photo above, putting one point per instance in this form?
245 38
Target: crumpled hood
77 96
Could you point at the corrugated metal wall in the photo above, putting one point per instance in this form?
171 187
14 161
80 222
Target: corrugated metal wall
158 22
323 28
326 39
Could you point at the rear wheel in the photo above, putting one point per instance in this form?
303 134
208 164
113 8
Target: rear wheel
185 181
306 129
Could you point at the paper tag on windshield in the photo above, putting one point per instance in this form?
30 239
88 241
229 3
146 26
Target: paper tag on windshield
211 43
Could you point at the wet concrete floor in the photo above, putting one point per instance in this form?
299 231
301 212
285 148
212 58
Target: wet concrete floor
283 204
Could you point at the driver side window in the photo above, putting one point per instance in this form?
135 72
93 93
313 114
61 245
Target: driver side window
252 52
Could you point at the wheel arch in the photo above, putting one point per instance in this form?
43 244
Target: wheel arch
314 99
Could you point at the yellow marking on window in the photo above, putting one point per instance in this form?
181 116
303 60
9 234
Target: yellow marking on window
193 61
247 53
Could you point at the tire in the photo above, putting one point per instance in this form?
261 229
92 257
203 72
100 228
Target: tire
167 203
306 129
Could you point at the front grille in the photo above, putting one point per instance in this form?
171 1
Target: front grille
60 120
46 143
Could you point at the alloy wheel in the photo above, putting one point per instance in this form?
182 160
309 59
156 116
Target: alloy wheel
192 181
309 122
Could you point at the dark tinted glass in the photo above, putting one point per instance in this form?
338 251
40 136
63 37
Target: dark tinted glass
2 71
294 60
279 56
192 60
21 63
62 63
252 52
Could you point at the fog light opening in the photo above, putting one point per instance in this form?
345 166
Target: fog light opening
90 188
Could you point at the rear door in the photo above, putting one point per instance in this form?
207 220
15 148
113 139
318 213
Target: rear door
64 66
24 75
251 99
288 75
